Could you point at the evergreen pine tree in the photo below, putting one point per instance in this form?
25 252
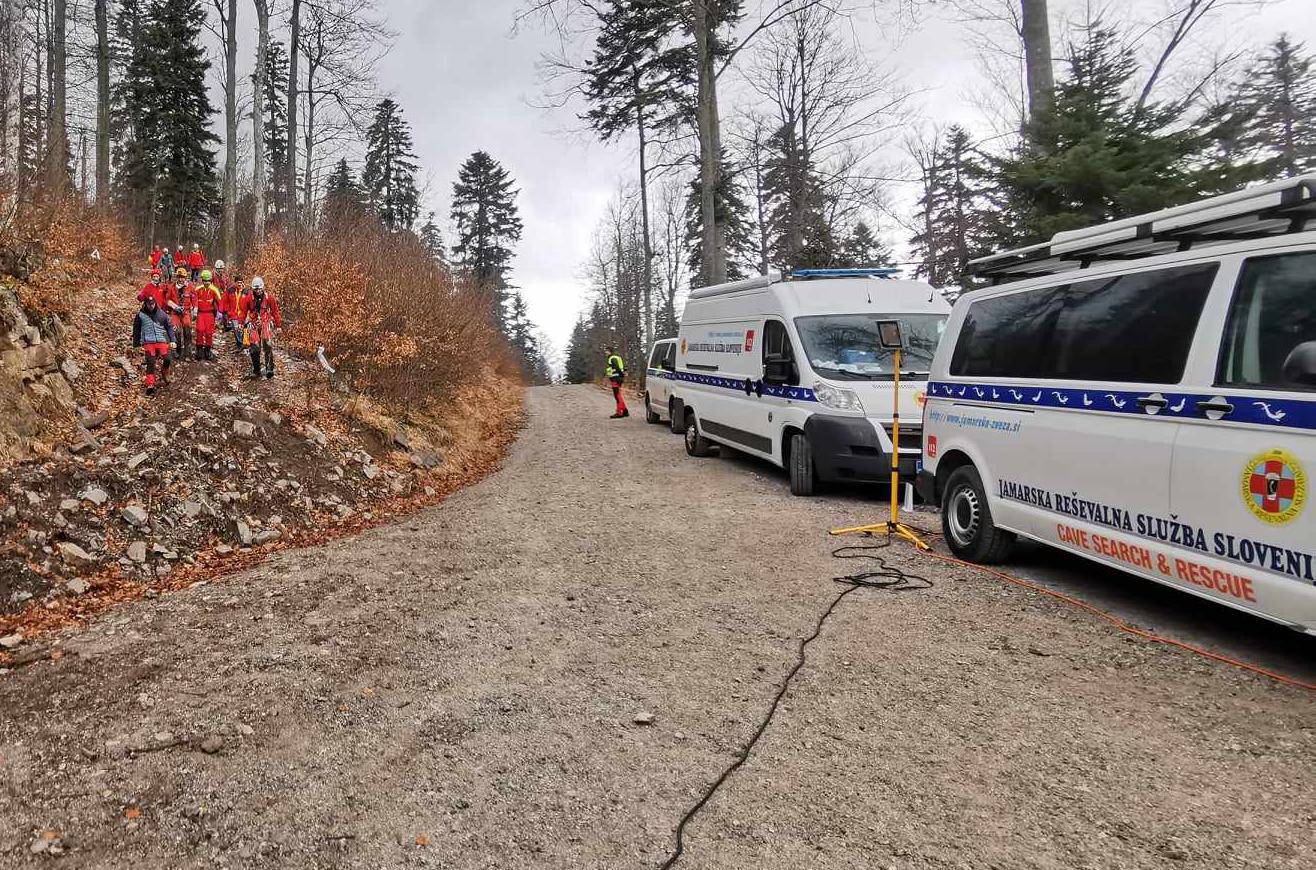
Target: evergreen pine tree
1275 107
733 211
797 222
520 332
959 217
276 126
862 249
638 70
485 215
579 367
1096 156
432 239
389 177
343 197
168 182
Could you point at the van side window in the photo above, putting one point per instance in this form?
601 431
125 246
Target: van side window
669 361
1274 311
1130 328
777 346
658 355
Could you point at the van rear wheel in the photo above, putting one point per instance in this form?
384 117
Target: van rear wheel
696 444
966 520
649 415
801 465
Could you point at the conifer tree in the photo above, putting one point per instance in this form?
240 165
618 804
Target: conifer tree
862 249
959 218
343 197
1095 156
579 367
1276 108
276 127
389 177
168 182
520 331
485 215
733 215
432 238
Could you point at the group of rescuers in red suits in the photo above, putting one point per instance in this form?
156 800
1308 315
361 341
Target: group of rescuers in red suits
178 319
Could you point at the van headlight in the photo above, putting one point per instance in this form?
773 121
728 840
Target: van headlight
837 398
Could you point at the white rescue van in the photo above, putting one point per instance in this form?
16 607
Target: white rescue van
1143 393
657 381
792 370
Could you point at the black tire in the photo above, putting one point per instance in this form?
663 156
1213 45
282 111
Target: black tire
695 443
649 415
966 520
803 481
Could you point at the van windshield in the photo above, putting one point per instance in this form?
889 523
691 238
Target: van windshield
846 346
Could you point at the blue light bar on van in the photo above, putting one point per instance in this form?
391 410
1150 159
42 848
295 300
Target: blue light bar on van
845 273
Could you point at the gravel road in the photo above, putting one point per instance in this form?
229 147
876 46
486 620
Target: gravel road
548 669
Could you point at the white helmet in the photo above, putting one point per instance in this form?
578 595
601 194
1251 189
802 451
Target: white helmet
258 283
219 264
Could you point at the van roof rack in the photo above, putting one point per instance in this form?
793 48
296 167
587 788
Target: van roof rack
807 274
1261 212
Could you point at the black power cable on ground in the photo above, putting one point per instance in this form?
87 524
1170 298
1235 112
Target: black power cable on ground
886 577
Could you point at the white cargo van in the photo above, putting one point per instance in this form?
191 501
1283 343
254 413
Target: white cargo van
1143 393
658 380
791 370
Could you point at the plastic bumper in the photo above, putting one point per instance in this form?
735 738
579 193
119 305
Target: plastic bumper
847 449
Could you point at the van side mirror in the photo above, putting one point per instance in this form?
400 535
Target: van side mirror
778 369
1300 365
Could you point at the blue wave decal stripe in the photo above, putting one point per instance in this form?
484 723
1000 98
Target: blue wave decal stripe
797 394
1253 410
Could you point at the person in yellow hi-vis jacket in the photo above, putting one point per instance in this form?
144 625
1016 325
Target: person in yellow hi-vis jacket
616 377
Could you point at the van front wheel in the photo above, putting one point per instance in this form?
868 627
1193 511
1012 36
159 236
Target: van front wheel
801 465
966 520
696 444
650 416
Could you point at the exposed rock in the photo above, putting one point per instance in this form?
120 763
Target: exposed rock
93 420
137 552
426 459
243 429
11 641
70 504
212 744
244 534
316 435
402 439
135 515
267 536
370 471
644 718
137 460
71 369
191 509
125 365
78 586
96 495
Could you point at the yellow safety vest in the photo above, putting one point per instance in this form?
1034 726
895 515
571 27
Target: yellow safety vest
615 366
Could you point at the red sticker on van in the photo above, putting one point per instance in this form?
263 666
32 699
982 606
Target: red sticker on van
932 446
749 340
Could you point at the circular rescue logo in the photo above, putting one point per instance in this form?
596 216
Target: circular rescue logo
1274 486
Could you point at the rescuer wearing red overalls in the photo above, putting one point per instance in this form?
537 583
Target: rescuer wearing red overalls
260 316
153 289
182 293
206 307
616 368
196 261
153 332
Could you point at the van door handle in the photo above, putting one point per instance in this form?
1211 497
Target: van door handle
749 386
1157 402
1218 405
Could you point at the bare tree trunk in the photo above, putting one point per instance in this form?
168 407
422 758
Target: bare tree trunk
10 103
102 103
258 118
713 255
294 49
644 212
57 169
1037 59
231 130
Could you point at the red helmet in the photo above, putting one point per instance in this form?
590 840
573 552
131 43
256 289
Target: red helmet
155 274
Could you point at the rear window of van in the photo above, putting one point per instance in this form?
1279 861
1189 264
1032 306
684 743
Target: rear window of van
1134 328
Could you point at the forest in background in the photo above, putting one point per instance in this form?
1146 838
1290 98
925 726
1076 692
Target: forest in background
768 135
304 170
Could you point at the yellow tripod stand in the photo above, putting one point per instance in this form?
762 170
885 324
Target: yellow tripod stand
889 333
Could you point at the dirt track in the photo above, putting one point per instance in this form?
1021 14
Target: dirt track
461 691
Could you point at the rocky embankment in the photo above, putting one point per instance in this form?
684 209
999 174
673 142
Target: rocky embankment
133 496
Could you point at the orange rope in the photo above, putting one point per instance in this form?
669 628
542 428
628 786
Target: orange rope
1121 624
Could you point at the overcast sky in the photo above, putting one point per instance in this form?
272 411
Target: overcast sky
466 81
